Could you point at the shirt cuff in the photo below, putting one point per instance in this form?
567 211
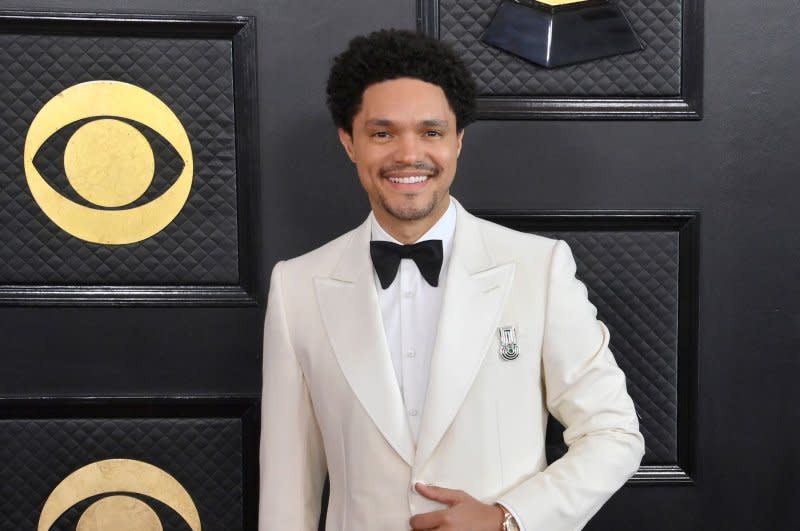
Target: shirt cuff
519 523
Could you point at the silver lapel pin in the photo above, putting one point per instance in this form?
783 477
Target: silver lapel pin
509 350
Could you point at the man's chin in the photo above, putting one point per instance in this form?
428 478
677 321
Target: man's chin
411 212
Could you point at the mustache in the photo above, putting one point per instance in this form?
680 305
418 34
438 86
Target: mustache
417 166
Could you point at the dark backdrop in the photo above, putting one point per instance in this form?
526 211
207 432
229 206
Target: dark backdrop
738 167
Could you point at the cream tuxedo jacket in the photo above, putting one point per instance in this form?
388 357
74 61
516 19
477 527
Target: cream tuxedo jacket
331 399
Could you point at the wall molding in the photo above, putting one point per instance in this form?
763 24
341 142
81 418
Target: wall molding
240 31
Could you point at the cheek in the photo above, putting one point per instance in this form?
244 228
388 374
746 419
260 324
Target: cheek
446 157
369 157
367 168
367 174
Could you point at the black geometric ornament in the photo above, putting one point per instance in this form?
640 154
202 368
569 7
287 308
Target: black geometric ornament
553 33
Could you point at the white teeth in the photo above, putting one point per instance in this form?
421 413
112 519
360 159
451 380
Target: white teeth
409 180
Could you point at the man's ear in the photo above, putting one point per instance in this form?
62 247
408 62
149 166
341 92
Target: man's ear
460 141
347 143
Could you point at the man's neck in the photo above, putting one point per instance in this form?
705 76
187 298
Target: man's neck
409 231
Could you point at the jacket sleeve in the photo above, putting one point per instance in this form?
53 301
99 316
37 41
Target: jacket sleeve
292 460
585 390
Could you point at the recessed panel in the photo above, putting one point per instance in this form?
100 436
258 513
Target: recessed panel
194 80
176 471
654 71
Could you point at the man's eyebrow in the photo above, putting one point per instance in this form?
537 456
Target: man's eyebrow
385 122
380 122
434 123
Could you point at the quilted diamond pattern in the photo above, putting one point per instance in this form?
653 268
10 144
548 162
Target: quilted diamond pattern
632 279
194 77
656 71
204 455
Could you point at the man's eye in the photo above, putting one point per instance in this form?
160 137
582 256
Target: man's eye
380 134
433 133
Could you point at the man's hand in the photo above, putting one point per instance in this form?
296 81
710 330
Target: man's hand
463 512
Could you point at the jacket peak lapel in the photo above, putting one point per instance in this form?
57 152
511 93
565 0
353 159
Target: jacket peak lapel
351 313
475 294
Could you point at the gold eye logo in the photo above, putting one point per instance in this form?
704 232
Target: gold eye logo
108 162
118 511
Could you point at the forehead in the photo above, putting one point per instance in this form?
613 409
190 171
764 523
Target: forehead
404 100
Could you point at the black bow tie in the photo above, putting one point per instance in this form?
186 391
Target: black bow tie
386 258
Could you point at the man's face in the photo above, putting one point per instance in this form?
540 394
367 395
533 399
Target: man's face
405 147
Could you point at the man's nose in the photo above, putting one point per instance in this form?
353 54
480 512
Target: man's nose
409 150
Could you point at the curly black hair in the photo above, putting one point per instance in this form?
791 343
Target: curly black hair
392 54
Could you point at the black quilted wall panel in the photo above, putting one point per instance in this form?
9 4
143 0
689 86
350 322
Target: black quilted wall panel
655 71
204 455
632 279
194 78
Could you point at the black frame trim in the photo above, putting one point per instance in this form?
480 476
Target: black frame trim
686 223
687 106
246 408
242 33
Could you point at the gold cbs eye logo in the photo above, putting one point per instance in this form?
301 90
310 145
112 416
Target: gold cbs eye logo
108 162
118 511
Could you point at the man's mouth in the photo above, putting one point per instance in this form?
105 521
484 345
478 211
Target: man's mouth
411 179
410 176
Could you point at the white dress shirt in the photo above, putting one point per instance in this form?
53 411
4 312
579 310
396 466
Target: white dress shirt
410 309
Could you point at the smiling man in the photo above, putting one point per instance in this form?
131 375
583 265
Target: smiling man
415 358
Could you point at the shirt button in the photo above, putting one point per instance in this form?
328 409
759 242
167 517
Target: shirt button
411 353
413 412
408 294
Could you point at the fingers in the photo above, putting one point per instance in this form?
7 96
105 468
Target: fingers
463 512
440 494
428 520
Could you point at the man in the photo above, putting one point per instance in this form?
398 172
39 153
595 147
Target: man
421 389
